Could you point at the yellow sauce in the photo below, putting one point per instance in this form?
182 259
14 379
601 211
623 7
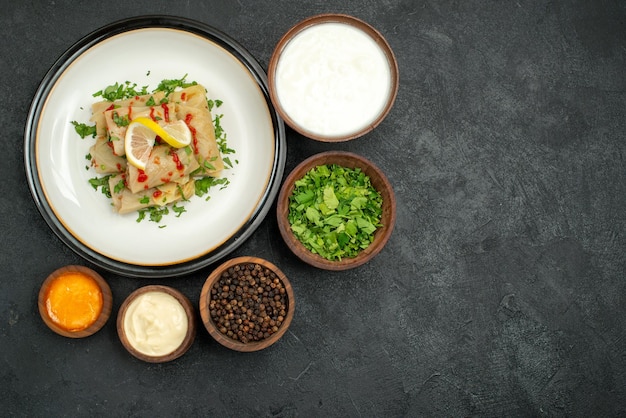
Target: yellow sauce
74 301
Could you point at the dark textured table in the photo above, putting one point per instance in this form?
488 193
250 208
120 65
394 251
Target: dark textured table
501 291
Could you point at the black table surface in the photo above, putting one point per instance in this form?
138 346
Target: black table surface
501 291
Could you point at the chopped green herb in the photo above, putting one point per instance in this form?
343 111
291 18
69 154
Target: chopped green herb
178 210
182 193
119 91
205 183
150 101
154 213
214 103
84 130
119 186
334 211
120 120
102 183
168 86
220 136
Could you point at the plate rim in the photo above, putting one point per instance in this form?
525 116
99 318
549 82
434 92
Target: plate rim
57 70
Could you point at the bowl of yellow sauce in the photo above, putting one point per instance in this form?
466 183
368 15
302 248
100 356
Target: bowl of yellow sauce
75 301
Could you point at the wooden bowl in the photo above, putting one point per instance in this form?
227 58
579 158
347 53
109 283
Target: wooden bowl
154 305
379 182
212 325
350 122
105 312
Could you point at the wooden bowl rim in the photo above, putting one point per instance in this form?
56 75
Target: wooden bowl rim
229 342
358 24
377 178
191 324
107 301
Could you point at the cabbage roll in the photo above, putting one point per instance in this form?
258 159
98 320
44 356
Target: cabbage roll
103 160
165 165
117 121
192 107
124 201
204 144
98 108
194 96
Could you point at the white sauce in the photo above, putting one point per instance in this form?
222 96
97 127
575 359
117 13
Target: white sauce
155 323
333 79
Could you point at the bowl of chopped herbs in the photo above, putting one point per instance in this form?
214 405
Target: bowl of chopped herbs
336 210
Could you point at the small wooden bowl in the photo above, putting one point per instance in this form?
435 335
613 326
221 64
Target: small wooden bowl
351 22
189 335
380 183
107 302
226 341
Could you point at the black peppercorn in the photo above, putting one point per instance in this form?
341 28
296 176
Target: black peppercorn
248 303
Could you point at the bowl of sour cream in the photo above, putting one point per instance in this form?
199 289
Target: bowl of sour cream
156 323
333 77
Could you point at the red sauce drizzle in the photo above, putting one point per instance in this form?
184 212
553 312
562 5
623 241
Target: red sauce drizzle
157 194
183 96
118 166
166 112
152 114
141 176
179 164
110 107
194 135
130 113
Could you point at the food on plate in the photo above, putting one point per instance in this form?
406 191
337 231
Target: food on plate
153 149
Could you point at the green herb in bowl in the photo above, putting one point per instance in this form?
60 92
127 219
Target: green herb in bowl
334 211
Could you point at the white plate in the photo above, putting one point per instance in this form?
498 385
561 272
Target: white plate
145 51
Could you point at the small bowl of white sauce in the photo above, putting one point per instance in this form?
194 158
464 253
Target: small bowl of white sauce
156 324
333 77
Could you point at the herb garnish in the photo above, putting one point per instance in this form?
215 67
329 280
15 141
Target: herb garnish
103 183
334 211
84 130
205 183
155 213
119 91
120 120
168 86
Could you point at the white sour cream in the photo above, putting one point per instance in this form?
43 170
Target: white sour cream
155 323
333 79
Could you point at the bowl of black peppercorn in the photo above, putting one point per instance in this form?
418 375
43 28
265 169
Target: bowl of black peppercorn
247 304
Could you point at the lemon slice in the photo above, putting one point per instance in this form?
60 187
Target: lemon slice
176 134
138 144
